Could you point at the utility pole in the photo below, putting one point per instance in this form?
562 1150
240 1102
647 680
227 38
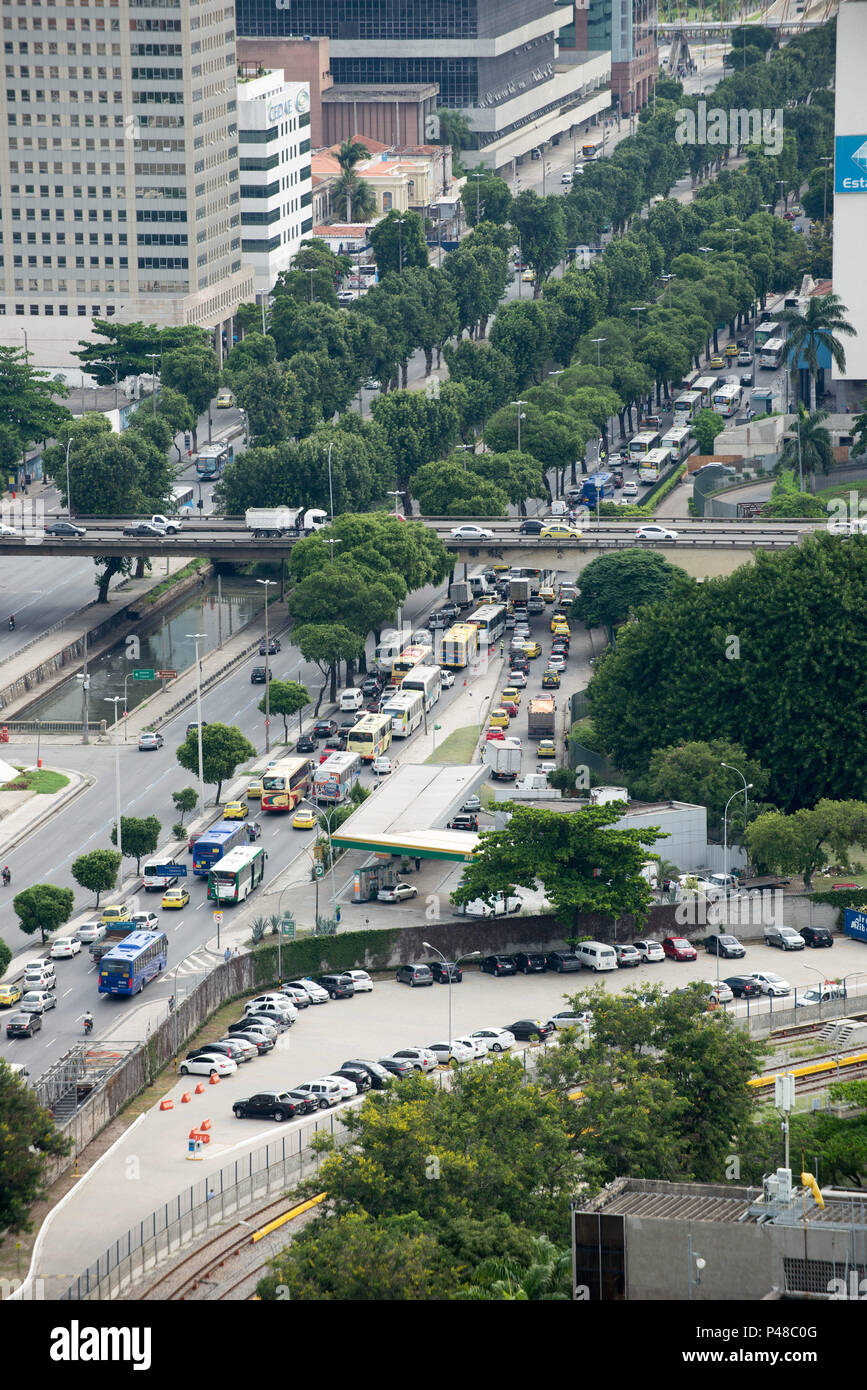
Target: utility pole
116 700
265 583
197 638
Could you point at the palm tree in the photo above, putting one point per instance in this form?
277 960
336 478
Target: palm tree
454 130
824 318
351 152
547 1279
353 198
813 453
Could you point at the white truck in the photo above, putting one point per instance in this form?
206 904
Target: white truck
284 521
171 525
503 758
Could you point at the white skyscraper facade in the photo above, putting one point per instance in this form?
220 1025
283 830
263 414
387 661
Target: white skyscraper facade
276 177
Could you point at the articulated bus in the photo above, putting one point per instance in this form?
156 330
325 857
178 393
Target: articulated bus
490 620
370 736
406 711
237 875
334 779
428 680
417 654
706 385
686 407
727 400
766 331
133 962
650 467
215 843
460 645
678 442
286 783
641 444
771 354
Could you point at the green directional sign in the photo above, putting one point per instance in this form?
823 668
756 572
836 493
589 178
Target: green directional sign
143 675
288 928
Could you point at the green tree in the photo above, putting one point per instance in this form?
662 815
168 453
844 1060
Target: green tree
398 241
486 199
327 644
28 1137
286 698
129 347
808 448
195 373
454 130
43 908
818 199
177 413
389 1259
449 488
381 545
223 748
97 871
614 586
186 800
542 231
582 864
26 406
6 954
353 197
345 593
350 153
108 567
800 843
111 474
706 426
139 835
696 772
821 325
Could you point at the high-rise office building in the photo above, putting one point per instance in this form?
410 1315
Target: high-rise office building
276 177
119 177
497 61
848 178
627 30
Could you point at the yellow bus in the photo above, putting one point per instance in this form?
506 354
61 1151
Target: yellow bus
417 654
286 783
370 736
460 645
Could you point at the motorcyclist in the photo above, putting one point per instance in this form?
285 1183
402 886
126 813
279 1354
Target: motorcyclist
11 622
88 1021
7 876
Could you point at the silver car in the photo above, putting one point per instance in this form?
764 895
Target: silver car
315 993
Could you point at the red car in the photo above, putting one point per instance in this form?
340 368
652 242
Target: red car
494 734
510 707
678 948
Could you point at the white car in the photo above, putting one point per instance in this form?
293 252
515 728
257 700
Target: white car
361 980
8 531
146 921
720 993
400 893
771 983
627 955
570 1018
39 977
326 1092
469 532
649 950
566 178
546 766
655 533
280 1000
496 1039
501 907
518 678
64 947
818 994
454 1051
381 767
421 1058
556 662
208 1064
37 1001
522 630
348 1088
315 992
297 996
91 931
478 1045
448 677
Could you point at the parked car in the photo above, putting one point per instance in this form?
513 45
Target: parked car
498 965
237 1048
727 946
784 937
649 950
253 1035
743 986
360 1079
361 980
150 742
445 971
397 1066
273 1000
208 1064
531 1029
453 1052
381 766
816 936
562 962
380 1077
315 992
772 984
326 1093
299 997
571 1018
678 948
64 947
496 1039
626 955
820 994
414 975
267 1105
398 893
719 993
420 1058
348 1088
339 985
501 907
23 1025
530 962
306 1103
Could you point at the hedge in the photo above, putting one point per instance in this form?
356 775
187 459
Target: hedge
314 955
841 897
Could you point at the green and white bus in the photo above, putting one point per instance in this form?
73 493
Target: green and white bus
237 874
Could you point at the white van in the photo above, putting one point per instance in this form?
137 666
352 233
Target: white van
557 508
595 956
350 700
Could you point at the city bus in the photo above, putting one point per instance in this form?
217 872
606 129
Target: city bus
706 385
210 460
686 407
490 620
416 654
334 779
765 331
370 736
678 442
460 645
286 783
771 354
215 843
592 149
427 679
406 711
727 400
237 875
182 497
653 463
388 650
133 962
641 444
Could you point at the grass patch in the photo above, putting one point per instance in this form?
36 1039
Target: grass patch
458 747
192 568
842 491
39 780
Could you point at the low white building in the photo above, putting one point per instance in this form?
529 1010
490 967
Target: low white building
276 183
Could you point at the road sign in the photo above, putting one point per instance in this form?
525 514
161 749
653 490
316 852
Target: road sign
166 675
144 675
319 870
287 928
218 917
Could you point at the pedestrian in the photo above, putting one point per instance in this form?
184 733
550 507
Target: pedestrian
418 864
227 955
502 646
236 954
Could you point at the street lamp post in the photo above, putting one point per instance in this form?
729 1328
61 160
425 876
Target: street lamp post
84 677
731 231
197 638
332 541
395 492
311 271
116 700
266 584
638 309
598 342
725 828
520 418
68 488
428 947
330 487
326 817
825 159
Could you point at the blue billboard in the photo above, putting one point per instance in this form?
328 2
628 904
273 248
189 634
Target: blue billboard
850 164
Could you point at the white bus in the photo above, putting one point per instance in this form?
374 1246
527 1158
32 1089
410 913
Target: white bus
370 736
765 331
771 355
678 442
650 467
641 444
389 649
727 400
334 779
427 679
686 407
490 619
235 876
406 711
705 386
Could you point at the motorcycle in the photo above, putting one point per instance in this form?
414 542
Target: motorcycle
88 1026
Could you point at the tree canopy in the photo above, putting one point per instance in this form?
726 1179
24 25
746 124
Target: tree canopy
224 747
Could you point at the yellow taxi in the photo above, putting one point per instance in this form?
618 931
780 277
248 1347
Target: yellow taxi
717 362
546 748
305 819
254 790
560 629
558 616
9 995
551 680
501 569
560 531
532 649
546 593
528 276
731 350
236 810
225 399
175 897
499 718
511 695
119 913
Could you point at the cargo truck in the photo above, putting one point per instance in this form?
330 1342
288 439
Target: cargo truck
519 590
855 924
503 757
111 938
284 521
461 593
540 717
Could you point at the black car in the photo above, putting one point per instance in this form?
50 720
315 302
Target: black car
397 1066
517 662
371 686
562 961
143 528
380 1076
361 1078
224 1048
268 1105
64 528
258 675
307 1105
743 986
336 742
244 1023
530 962
346 724
23 1025
498 965
324 728
529 1029
273 647
192 728
306 744
727 946
338 986
817 936
259 1040
531 527
445 970
464 820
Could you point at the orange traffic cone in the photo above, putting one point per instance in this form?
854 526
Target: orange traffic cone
215 1080
185 1098
200 1088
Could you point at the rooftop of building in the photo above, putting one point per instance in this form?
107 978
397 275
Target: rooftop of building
379 91
349 230
685 1201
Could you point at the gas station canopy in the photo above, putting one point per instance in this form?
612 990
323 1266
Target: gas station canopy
407 813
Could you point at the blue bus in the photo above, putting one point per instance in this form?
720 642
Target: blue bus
599 486
133 962
216 842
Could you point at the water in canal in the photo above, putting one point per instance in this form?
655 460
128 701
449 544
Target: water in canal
164 645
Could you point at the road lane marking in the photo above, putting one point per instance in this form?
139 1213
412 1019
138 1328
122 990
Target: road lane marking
49 1044
68 991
